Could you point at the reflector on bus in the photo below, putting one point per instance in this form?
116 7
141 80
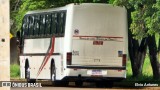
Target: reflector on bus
69 58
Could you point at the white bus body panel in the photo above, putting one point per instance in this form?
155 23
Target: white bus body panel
35 51
34 67
94 22
104 23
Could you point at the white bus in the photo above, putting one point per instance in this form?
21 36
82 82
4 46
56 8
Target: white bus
77 42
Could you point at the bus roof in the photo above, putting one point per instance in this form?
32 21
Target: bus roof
65 7
49 10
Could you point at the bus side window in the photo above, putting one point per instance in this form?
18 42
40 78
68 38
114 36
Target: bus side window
36 24
48 24
62 23
58 23
42 25
31 25
54 24
25 26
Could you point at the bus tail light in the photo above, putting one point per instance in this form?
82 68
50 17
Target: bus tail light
69 58
124 57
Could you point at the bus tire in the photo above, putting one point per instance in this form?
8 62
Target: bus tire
53 75
27 74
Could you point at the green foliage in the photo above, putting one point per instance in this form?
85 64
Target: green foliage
129 69
26 6
147 69
57 3
146 72
125 3
14 71
145 17
111 1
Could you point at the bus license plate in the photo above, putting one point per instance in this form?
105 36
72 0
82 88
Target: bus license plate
97 72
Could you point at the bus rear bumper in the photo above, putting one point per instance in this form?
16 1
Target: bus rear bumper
89 73
92 79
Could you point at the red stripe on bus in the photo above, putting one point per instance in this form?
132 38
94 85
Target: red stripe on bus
97 36
47 56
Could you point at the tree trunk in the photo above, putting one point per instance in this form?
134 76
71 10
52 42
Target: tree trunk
137 55
159 54
136 52
153 56
17 5
132 49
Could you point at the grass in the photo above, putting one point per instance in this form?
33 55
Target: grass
146 77
146 71
14 71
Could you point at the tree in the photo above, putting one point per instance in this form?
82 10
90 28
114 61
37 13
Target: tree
153 22
19 9
143 27
14 7
147 20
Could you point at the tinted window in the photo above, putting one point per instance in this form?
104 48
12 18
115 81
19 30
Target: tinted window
54 23
61 22
31 25
48 24
42 25
36 24
25 25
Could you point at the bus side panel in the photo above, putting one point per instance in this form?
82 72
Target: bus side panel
45 72
34 68
22 67
40 57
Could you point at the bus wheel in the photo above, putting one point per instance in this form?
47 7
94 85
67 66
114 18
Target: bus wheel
53 72
78 83
53 75
27 75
